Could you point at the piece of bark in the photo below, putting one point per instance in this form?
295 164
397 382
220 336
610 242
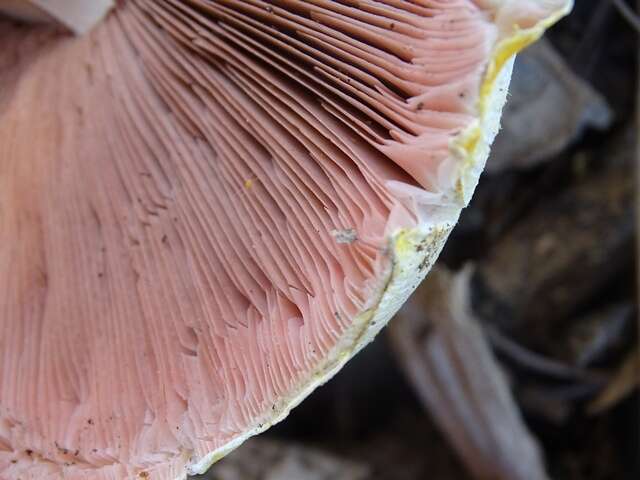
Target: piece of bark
567 249
447 359
549 107
265 459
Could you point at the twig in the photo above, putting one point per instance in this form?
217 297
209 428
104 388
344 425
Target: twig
533 361
624 381
627 12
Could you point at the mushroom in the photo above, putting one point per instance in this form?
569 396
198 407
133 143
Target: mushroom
208 206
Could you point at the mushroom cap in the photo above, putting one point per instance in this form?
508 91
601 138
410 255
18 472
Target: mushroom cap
207 207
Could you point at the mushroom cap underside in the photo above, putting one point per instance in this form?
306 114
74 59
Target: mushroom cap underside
207 207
